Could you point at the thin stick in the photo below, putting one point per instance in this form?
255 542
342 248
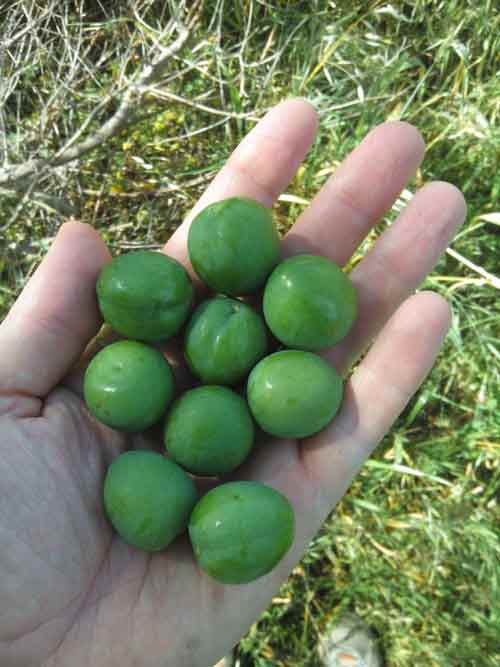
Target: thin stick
489 277
118 120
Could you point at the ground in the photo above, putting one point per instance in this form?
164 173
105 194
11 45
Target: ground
413 548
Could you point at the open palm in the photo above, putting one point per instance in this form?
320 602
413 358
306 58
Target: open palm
71 592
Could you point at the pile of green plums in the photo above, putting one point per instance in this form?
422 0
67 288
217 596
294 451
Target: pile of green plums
240 530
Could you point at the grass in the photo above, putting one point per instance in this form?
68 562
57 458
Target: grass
414 546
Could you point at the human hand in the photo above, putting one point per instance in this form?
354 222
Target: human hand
71 591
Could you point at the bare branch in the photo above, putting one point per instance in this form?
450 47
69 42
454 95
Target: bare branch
154 72
188 135
166 95
28 28
131 96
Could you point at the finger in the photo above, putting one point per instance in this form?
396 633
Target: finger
377 393
261 166
362 189
398 262
55 316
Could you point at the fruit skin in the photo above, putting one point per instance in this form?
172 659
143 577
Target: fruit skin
293 394
240 531
145 295
148 499
224 339
309 303
209 430
128 385
234 245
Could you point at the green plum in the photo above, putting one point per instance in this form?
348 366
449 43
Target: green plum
225 338
209 430
240 531
309 303
293 393
145 295
128 385
234 245
148 499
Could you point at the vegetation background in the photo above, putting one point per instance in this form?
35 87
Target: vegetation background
414 546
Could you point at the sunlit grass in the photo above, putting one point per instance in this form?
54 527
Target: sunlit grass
414 546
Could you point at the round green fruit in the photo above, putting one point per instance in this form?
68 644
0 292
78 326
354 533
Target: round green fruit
234 245
145 295
309 303
128 385
240 531
148 499
293 394
225 338
209 430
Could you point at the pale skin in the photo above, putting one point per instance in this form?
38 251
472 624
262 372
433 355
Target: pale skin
71 592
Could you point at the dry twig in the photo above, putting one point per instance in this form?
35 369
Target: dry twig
59 48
